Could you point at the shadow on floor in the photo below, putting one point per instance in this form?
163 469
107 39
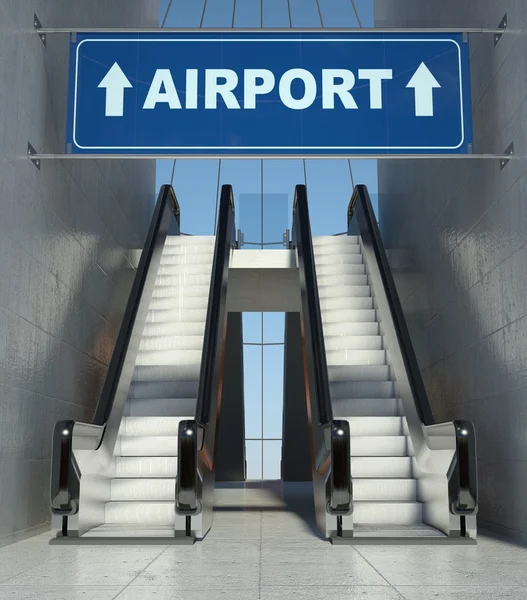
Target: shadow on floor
269 496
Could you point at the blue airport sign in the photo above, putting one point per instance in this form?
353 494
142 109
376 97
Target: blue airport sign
269 94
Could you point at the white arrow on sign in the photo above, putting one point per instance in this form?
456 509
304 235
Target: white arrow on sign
115 83
424 84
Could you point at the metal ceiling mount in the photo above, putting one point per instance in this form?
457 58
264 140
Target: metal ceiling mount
503 26
33 156
510 152
38 26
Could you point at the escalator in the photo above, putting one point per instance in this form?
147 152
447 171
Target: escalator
381 469
403 477
144 468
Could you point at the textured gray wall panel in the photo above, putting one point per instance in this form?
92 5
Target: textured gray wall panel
70 237
456 234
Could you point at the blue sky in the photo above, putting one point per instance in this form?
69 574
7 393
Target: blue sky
329 186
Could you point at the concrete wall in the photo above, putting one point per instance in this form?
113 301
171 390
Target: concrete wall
456 233
69 236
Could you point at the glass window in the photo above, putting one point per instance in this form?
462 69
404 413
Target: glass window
275 13
253 456
252 369
273 328
250 218
184 13
304 13
245 178
195 184
252 328
218 13
338 13
281 177
272 451
273 391
329 189
275 217
248 14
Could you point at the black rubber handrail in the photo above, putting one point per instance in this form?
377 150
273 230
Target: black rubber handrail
312 317
463 484
167 203
361 208
216 310
197 438
463 480
187 502
341 483
330 438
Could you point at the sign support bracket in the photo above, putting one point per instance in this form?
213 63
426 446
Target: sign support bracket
33 156
508 154
502 27
38 26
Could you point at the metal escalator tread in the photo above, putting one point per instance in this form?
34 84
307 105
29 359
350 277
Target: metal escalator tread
163 392
362 390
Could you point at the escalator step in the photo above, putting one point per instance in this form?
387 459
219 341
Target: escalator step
143 513
334 330
145 466
330 282
337 259
385 445
385 466
176 390
329 269
376 426
359 373
330 305
334 240
204 250
387 513
336 250
348 357
367 407
183 315
180 302
345 390
183 279
344 316
177 329
353 342
151 426
143 490
180 290
168 357
147 446
384 490
173 270
163 407
189 240
171 342
174 373
345 290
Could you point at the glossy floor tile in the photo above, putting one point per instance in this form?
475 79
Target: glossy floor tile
263 546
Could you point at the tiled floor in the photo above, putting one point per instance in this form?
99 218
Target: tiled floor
268 551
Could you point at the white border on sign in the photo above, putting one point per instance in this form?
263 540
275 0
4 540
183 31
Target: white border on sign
263 148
